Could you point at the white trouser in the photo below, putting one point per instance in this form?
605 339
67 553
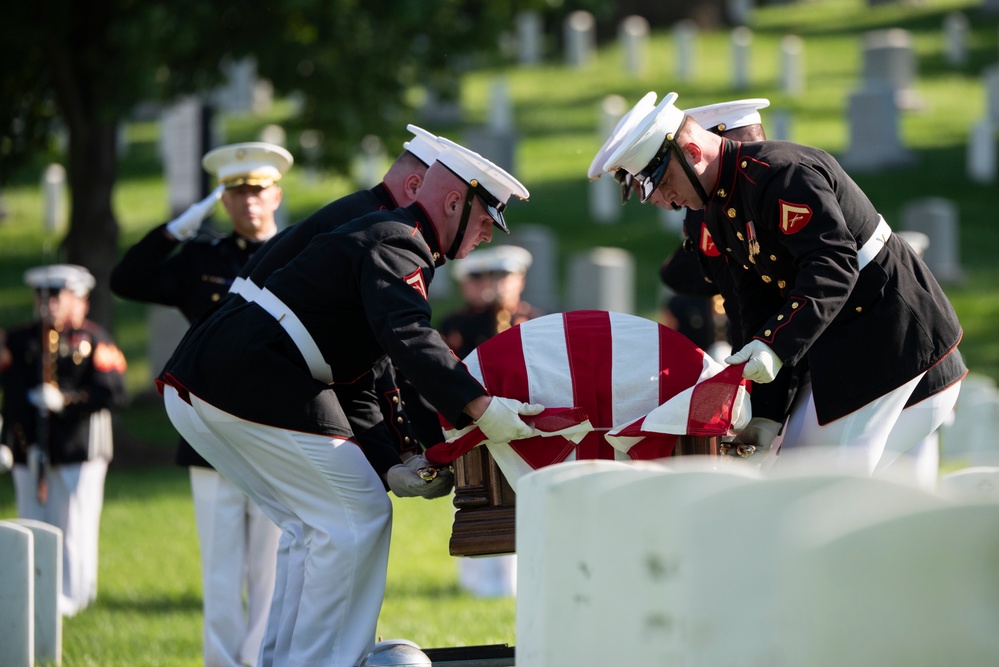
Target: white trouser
74 505
335 519
914 442
238 545
859 437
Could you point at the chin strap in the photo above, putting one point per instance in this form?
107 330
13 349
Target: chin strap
691 175
459 235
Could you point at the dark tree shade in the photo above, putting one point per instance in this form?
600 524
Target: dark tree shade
85 65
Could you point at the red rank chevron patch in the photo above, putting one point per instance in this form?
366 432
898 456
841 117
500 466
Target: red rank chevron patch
706 243
415 280
793 217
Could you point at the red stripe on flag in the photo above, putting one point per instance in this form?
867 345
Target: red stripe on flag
680 363
712 400
504 369
589 347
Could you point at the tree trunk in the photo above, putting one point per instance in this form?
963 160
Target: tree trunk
92 240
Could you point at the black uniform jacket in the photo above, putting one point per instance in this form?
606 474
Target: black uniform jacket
290 241
789 216
89 369
361 291
697 265
374 404
192 278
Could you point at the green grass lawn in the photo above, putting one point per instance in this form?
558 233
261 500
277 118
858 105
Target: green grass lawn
148 612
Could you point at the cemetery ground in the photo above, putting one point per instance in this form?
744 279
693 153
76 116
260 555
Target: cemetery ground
148 609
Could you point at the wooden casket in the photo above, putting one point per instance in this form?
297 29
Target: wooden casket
485 519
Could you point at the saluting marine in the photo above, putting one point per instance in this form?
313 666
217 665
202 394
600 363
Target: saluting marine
62 376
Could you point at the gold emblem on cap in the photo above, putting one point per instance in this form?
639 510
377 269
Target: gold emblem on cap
474 182
669 137
721 127
730 213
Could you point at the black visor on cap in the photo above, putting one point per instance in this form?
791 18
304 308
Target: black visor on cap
494 207
625 179
651 176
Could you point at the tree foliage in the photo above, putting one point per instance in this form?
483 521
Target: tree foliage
83 66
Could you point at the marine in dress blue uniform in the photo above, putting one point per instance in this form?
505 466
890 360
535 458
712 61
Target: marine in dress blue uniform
258 377
375 403
179 264
857 304
62 377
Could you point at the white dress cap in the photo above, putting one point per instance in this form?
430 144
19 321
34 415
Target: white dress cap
627 123
729 115
250 163
469 166
57 277
641 145
423 145
501 259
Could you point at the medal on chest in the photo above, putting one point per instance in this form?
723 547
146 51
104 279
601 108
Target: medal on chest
752 243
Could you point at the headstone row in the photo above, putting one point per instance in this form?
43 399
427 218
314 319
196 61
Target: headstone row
699 561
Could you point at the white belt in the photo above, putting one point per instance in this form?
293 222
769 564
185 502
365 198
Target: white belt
874 244
289 321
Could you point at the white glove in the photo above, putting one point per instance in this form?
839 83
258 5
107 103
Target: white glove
406 481
501 420
185 225
6 459
754 440
763 365
48 396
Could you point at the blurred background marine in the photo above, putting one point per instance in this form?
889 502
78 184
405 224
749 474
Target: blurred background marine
62 376
491 282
